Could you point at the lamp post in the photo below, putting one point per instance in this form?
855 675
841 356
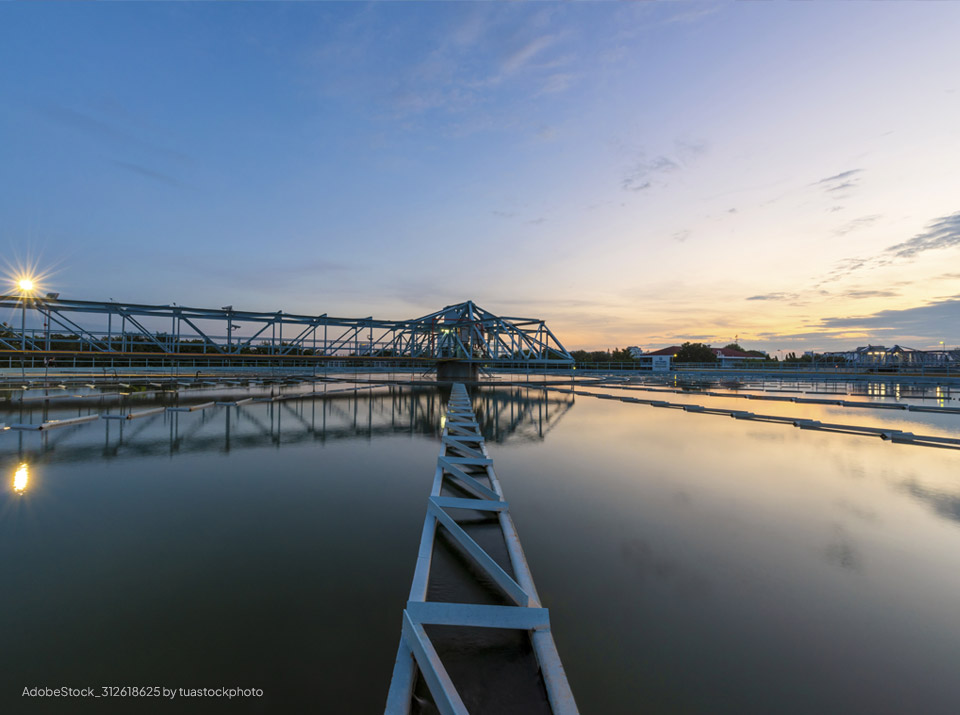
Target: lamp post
26 288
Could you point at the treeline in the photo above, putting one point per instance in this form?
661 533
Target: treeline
616 355
688 352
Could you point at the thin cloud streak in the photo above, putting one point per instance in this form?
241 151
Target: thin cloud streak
100 129
843 176
147 173
941 233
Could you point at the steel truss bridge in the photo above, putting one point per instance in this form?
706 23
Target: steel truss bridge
463 332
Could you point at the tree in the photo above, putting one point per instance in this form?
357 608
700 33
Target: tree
733 346
622 355
582 356
695 352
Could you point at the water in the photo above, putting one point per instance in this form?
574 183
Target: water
691 563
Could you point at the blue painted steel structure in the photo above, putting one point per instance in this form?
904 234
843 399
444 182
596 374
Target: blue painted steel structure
463 331
464 462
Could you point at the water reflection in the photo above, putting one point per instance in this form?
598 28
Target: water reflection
881 389
841 551
944 503
517 414
20 478
799 552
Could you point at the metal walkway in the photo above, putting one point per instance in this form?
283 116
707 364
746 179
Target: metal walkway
465 466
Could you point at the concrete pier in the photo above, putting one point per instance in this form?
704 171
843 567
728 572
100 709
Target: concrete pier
457 371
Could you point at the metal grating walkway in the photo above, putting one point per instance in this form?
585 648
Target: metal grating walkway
465 466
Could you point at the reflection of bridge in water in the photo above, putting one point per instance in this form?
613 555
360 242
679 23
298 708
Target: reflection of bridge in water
518 413
505 415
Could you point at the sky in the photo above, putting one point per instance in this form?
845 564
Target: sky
787 174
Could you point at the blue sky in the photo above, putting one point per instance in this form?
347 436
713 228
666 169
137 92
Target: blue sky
633 173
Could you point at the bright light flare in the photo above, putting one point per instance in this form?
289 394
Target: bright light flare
25 276
20 478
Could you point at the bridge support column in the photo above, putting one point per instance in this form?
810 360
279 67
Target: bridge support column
457 371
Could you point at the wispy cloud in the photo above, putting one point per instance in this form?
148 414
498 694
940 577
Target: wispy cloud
688 150
775 296
546 132
102 129
843 176
931 321
637 178
558 82
858 294
477 63
942 233
692 14
240 270
841 187
647 171
522 56
147 173
856 224
838 185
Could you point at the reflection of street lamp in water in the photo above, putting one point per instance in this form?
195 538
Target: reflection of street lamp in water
20 479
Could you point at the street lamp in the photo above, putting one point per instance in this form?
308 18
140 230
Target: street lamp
26 288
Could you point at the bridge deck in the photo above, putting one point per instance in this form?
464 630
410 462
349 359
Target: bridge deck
466 641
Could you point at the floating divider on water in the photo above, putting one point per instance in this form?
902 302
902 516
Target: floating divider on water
145 413
50 398
235 403
135 415
924 408
776 398
191 408
53 424
464 462
886 433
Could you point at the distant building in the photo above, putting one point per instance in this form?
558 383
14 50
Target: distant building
726 356
658 363
881 356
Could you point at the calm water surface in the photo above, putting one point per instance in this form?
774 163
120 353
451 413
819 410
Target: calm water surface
691 563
